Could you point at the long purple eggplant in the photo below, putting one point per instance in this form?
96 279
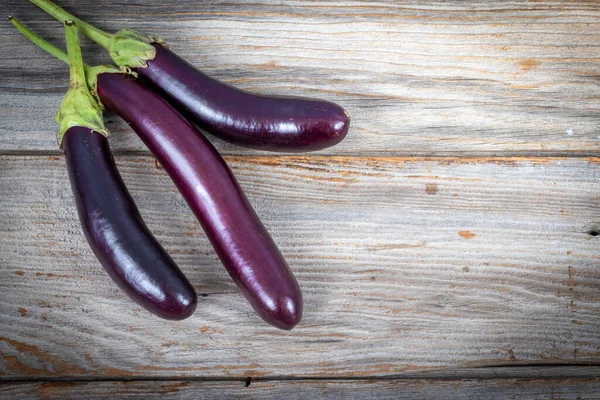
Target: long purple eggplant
212 192
210 189
109 217
275 123
117 233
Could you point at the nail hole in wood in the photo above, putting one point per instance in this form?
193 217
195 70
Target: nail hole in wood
204 294
593 232
248 381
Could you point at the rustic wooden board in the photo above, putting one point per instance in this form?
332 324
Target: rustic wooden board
418 77
406 265
392 389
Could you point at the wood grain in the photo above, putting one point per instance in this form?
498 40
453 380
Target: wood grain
447 241
406 265
418 77
392 389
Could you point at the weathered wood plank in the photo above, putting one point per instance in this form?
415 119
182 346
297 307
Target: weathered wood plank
405 264
382 389
418 77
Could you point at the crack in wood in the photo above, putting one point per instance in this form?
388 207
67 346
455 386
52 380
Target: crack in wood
510 371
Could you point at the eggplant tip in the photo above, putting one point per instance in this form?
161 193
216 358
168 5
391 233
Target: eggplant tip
287 315
340 124
180 308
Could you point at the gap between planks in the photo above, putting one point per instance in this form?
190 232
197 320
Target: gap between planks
399 155
544 371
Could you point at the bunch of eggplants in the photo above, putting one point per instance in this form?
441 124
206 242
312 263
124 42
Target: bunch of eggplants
153 108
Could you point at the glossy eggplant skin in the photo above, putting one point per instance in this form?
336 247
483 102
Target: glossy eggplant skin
274 123
117 233
212 192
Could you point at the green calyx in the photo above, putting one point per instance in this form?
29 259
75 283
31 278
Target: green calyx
91 76
78 107
127 48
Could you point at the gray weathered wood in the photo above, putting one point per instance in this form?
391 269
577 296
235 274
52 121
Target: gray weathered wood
418 77
300 390
420 268
406 265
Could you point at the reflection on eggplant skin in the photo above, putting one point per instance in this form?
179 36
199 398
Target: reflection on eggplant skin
275 123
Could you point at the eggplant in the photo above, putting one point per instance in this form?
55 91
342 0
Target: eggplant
207 184
213 194
272 123
116 232
111 222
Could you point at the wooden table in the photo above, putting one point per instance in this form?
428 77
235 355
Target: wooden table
447 248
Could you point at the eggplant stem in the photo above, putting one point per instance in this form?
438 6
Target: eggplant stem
91 73
78 107
127 48
97 35
74 54
41 43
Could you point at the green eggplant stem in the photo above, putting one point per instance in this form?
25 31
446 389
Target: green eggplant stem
127 48
78 107
95 34
75 58
44 45
91 73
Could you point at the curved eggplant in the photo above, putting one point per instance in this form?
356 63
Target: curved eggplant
117 233
274 123
212 192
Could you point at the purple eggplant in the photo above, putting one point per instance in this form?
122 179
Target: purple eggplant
274 123
209 187
212 192
117 233
109 217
